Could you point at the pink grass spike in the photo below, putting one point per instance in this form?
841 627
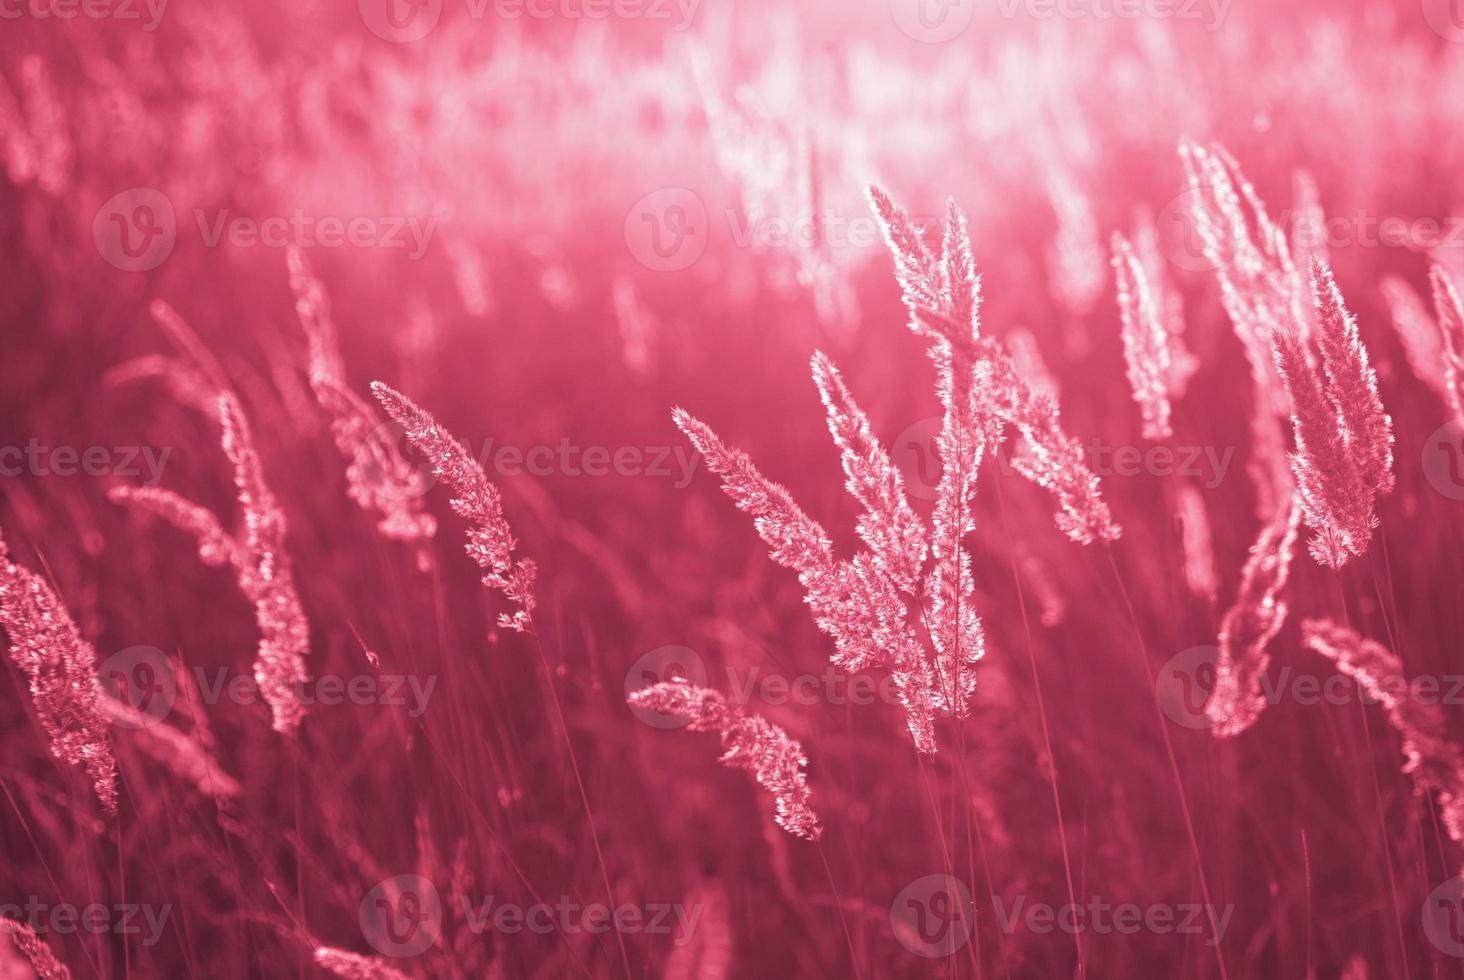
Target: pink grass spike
1196 542
1450 312
1344 439
853 602
980 385
1262 292
379 480
1146 343
1249 626
1433 761
61 668
891 529
42 959
260 561
751 742
490 541
353 966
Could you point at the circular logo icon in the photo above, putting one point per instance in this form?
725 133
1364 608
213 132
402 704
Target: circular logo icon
402 916
1445 18
667 230
1443 917
389 463
136 229
932 21
933 916
142 678
1179 234
1443 460
668 663
1184 683
914 452
400 21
